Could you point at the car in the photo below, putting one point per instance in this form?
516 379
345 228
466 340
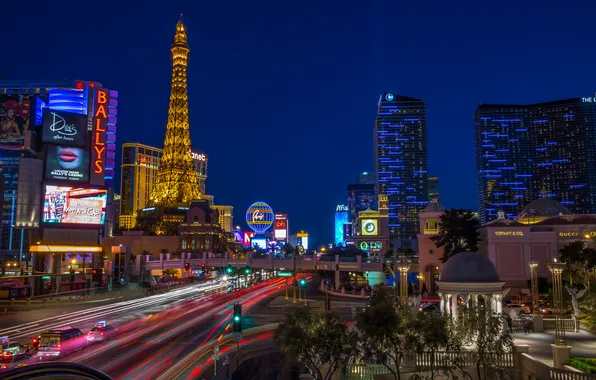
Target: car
101 332
545 308
13 350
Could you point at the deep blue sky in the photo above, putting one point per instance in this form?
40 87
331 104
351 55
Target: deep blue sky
283 94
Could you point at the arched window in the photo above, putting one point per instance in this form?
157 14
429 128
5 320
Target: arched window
184 244
195 244
206 244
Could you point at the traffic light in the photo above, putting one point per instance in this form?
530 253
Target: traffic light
229 269
49 285
237 318
230 288
247 270
203 267
302 282
96 275
187 267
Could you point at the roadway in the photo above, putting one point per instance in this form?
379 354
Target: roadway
171 336
154 332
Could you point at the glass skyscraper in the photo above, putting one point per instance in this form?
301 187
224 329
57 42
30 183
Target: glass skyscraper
523 149
401 165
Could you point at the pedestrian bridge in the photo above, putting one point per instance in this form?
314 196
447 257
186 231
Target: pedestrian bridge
309 262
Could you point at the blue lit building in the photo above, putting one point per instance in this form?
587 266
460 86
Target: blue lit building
341 218
401 166
522 149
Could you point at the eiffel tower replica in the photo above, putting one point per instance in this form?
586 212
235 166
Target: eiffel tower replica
176 184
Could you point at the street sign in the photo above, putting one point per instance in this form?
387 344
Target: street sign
237 336
284 274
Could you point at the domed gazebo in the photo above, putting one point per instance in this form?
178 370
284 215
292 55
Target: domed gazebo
470 276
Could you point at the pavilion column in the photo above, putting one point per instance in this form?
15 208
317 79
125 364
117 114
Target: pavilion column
442 304
499 303
454 307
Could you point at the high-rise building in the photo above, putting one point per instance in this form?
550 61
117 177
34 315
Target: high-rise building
176 182
433 187
401 163
523 149
341 218
365 178
226 217
140 164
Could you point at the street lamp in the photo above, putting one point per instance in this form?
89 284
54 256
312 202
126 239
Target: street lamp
556 269
403 269
534 285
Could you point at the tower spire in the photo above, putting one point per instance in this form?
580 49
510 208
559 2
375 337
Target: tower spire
176 183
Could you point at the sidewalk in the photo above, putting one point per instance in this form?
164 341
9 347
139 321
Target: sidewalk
583 344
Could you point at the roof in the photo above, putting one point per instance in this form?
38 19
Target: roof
569 219
503 223
434 206
466 267
544 207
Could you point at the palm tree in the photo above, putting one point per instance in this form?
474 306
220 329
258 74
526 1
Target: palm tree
163 251
84 256
458 232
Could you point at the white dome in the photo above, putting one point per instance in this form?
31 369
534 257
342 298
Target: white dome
469 267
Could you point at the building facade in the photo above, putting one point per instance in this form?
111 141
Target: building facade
365 178
225 217
401 166
521 149
140 164
433 188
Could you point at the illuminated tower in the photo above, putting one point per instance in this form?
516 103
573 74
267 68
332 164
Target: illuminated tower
176 183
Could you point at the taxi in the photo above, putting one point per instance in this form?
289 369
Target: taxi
12 350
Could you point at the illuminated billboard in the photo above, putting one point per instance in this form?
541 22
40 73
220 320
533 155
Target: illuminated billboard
258 242
67 163
302 239
341 218
15 112
259 217
71 206
369 227
103 138
246 239
63 128
281 227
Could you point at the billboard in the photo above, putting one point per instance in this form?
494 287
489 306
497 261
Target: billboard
281 227
67 163
247 237
72 206
15 112
63 128
369 227
103 138
258 242
341 218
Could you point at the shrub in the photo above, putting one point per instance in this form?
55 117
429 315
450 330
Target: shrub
583 364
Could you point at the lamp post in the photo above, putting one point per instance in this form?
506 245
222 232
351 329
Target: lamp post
403 269
556 269
534 285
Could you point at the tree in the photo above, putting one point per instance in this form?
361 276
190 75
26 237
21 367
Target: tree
483 329
84 256
315 340
172 272
458 232
387 333
435 334
588 311
580 259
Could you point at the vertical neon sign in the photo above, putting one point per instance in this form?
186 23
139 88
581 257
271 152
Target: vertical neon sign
103 139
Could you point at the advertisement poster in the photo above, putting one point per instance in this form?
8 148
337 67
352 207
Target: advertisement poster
63 128
74 205
67 163
14 119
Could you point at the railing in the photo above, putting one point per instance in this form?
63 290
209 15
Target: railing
549 324
563 374
462 359
365 371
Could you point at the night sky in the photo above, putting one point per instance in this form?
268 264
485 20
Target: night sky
283 94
